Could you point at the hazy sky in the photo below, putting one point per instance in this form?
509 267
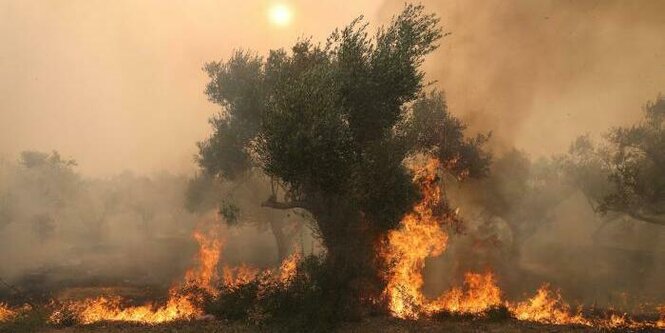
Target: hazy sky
538 73
118 84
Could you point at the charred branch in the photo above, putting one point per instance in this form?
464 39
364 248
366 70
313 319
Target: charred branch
659 220
272 203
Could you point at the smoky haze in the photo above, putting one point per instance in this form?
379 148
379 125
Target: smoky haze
118 85
539 73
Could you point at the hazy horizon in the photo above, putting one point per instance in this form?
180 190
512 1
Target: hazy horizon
119 86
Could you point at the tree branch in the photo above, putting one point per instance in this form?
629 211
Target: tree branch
649 219
272 203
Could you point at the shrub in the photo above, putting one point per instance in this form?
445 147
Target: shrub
498 313
233 303
305 302
309 302
29 321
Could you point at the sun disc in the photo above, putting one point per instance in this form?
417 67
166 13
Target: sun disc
280 15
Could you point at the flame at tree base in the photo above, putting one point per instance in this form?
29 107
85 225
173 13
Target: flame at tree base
183 303
421 236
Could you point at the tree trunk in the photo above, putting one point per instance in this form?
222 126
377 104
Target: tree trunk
659 220
351 244
277 228
355 278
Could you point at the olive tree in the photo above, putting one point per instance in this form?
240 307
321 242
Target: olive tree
331 125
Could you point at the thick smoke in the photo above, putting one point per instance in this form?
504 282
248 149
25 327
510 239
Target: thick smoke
537 74
118 84
120 87
61 229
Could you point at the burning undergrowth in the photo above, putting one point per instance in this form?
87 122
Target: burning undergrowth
421 235
186 300
300 294
6 313
181 304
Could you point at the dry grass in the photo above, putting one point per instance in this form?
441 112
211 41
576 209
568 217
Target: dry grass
387 325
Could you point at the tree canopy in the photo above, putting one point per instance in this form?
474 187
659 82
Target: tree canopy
624 173
333 125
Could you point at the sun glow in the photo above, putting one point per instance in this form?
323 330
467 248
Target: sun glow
280 15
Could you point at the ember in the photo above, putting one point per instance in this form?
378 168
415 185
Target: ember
6 313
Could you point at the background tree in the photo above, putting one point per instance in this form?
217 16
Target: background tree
624 175
522 192
332 126
233 201
503 211
38 190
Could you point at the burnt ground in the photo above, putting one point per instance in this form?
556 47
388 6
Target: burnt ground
376 324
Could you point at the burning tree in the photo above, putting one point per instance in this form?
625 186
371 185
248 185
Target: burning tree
332 126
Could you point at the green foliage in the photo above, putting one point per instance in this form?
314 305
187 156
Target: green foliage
624 174
234 303
230 212
437 132
306 303
332 126
336 122
202 194
238 87
49 177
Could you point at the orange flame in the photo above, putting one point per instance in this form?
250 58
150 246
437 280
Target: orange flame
419 236
6 313
111 309
480 294
547 307
179 304
287 270
210 249
240 275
